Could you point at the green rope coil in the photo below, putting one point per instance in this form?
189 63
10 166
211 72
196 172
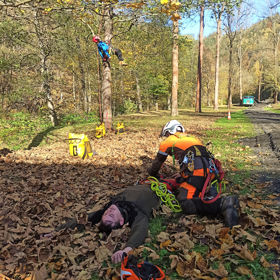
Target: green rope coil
165 196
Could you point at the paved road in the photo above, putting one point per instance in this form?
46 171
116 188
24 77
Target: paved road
266 144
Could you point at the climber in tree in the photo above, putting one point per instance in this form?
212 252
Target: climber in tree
105 50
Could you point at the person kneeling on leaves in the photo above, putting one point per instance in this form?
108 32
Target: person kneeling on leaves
133 206
195 161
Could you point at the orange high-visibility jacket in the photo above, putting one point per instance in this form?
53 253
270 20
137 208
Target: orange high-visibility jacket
174 145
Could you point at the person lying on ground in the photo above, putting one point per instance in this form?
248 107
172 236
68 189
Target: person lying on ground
196 164
133 206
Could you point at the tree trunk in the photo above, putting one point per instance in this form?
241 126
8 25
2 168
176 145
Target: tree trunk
168 103
106 88
44 54
276 68
230 74
259 87
240 73
89 91
175 70
107 95
74 89
83 86
199 65
156 106
217 65
208 93
139 101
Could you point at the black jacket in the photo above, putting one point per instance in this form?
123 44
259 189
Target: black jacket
137 203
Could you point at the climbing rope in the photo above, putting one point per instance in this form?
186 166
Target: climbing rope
164 194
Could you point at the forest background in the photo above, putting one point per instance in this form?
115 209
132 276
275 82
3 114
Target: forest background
50 68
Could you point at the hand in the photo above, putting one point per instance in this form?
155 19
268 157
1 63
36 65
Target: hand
176 175
117 256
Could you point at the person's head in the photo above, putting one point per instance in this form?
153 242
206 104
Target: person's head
171 128
95 39
111 219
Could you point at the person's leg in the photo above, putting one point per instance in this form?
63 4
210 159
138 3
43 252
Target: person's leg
118 53
188 198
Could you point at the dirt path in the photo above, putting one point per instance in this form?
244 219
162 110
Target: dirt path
266 145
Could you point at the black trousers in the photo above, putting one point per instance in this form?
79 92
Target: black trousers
118 53
195 205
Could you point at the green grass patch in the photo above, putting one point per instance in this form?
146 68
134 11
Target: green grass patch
200 248
258 271
157 225
75 118
274 108
16 129
224 137
23 130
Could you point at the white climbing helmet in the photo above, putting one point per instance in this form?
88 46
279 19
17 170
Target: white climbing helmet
172 127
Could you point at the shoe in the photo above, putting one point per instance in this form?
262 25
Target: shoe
122 63
230 210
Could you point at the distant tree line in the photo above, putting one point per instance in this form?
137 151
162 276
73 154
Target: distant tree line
49 64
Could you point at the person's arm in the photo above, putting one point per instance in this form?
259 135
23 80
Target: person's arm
95 217
157 163
72 223
100 51
139 231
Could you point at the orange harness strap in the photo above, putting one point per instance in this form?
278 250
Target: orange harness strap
190 188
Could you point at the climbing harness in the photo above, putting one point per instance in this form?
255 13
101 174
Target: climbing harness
100 131
131 270
214 173
165 195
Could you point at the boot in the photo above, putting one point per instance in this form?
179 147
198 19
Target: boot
230 210
122 63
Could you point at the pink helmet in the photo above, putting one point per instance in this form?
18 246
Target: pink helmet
95 39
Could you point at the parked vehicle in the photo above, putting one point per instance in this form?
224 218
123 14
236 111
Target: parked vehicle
248 101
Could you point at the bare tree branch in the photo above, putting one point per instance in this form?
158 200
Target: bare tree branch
16 4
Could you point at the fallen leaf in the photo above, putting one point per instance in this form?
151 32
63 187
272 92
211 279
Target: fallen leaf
165 244
246 254
243 270
273 244
221 271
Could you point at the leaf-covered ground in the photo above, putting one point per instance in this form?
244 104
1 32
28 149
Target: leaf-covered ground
42 187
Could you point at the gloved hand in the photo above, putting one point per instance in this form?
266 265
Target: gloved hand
151 173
